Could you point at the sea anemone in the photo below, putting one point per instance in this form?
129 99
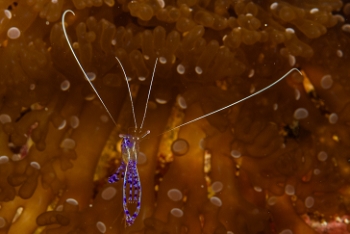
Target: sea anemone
276 163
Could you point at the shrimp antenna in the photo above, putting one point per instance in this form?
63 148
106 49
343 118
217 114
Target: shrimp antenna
81 67
127 83
149 92
239 101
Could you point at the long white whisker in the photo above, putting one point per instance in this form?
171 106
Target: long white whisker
239 101
81 67
127 83
149 92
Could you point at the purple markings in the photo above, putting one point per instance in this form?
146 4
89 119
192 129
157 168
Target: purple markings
131 176
135 194
126 143
115 177
135 184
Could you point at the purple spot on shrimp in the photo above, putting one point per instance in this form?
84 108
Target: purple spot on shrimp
115 176
126 143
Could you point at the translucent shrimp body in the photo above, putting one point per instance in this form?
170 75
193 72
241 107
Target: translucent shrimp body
128 171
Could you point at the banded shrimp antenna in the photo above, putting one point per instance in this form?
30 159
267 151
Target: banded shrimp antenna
148 95
125 76
81 67
149 91
237 102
